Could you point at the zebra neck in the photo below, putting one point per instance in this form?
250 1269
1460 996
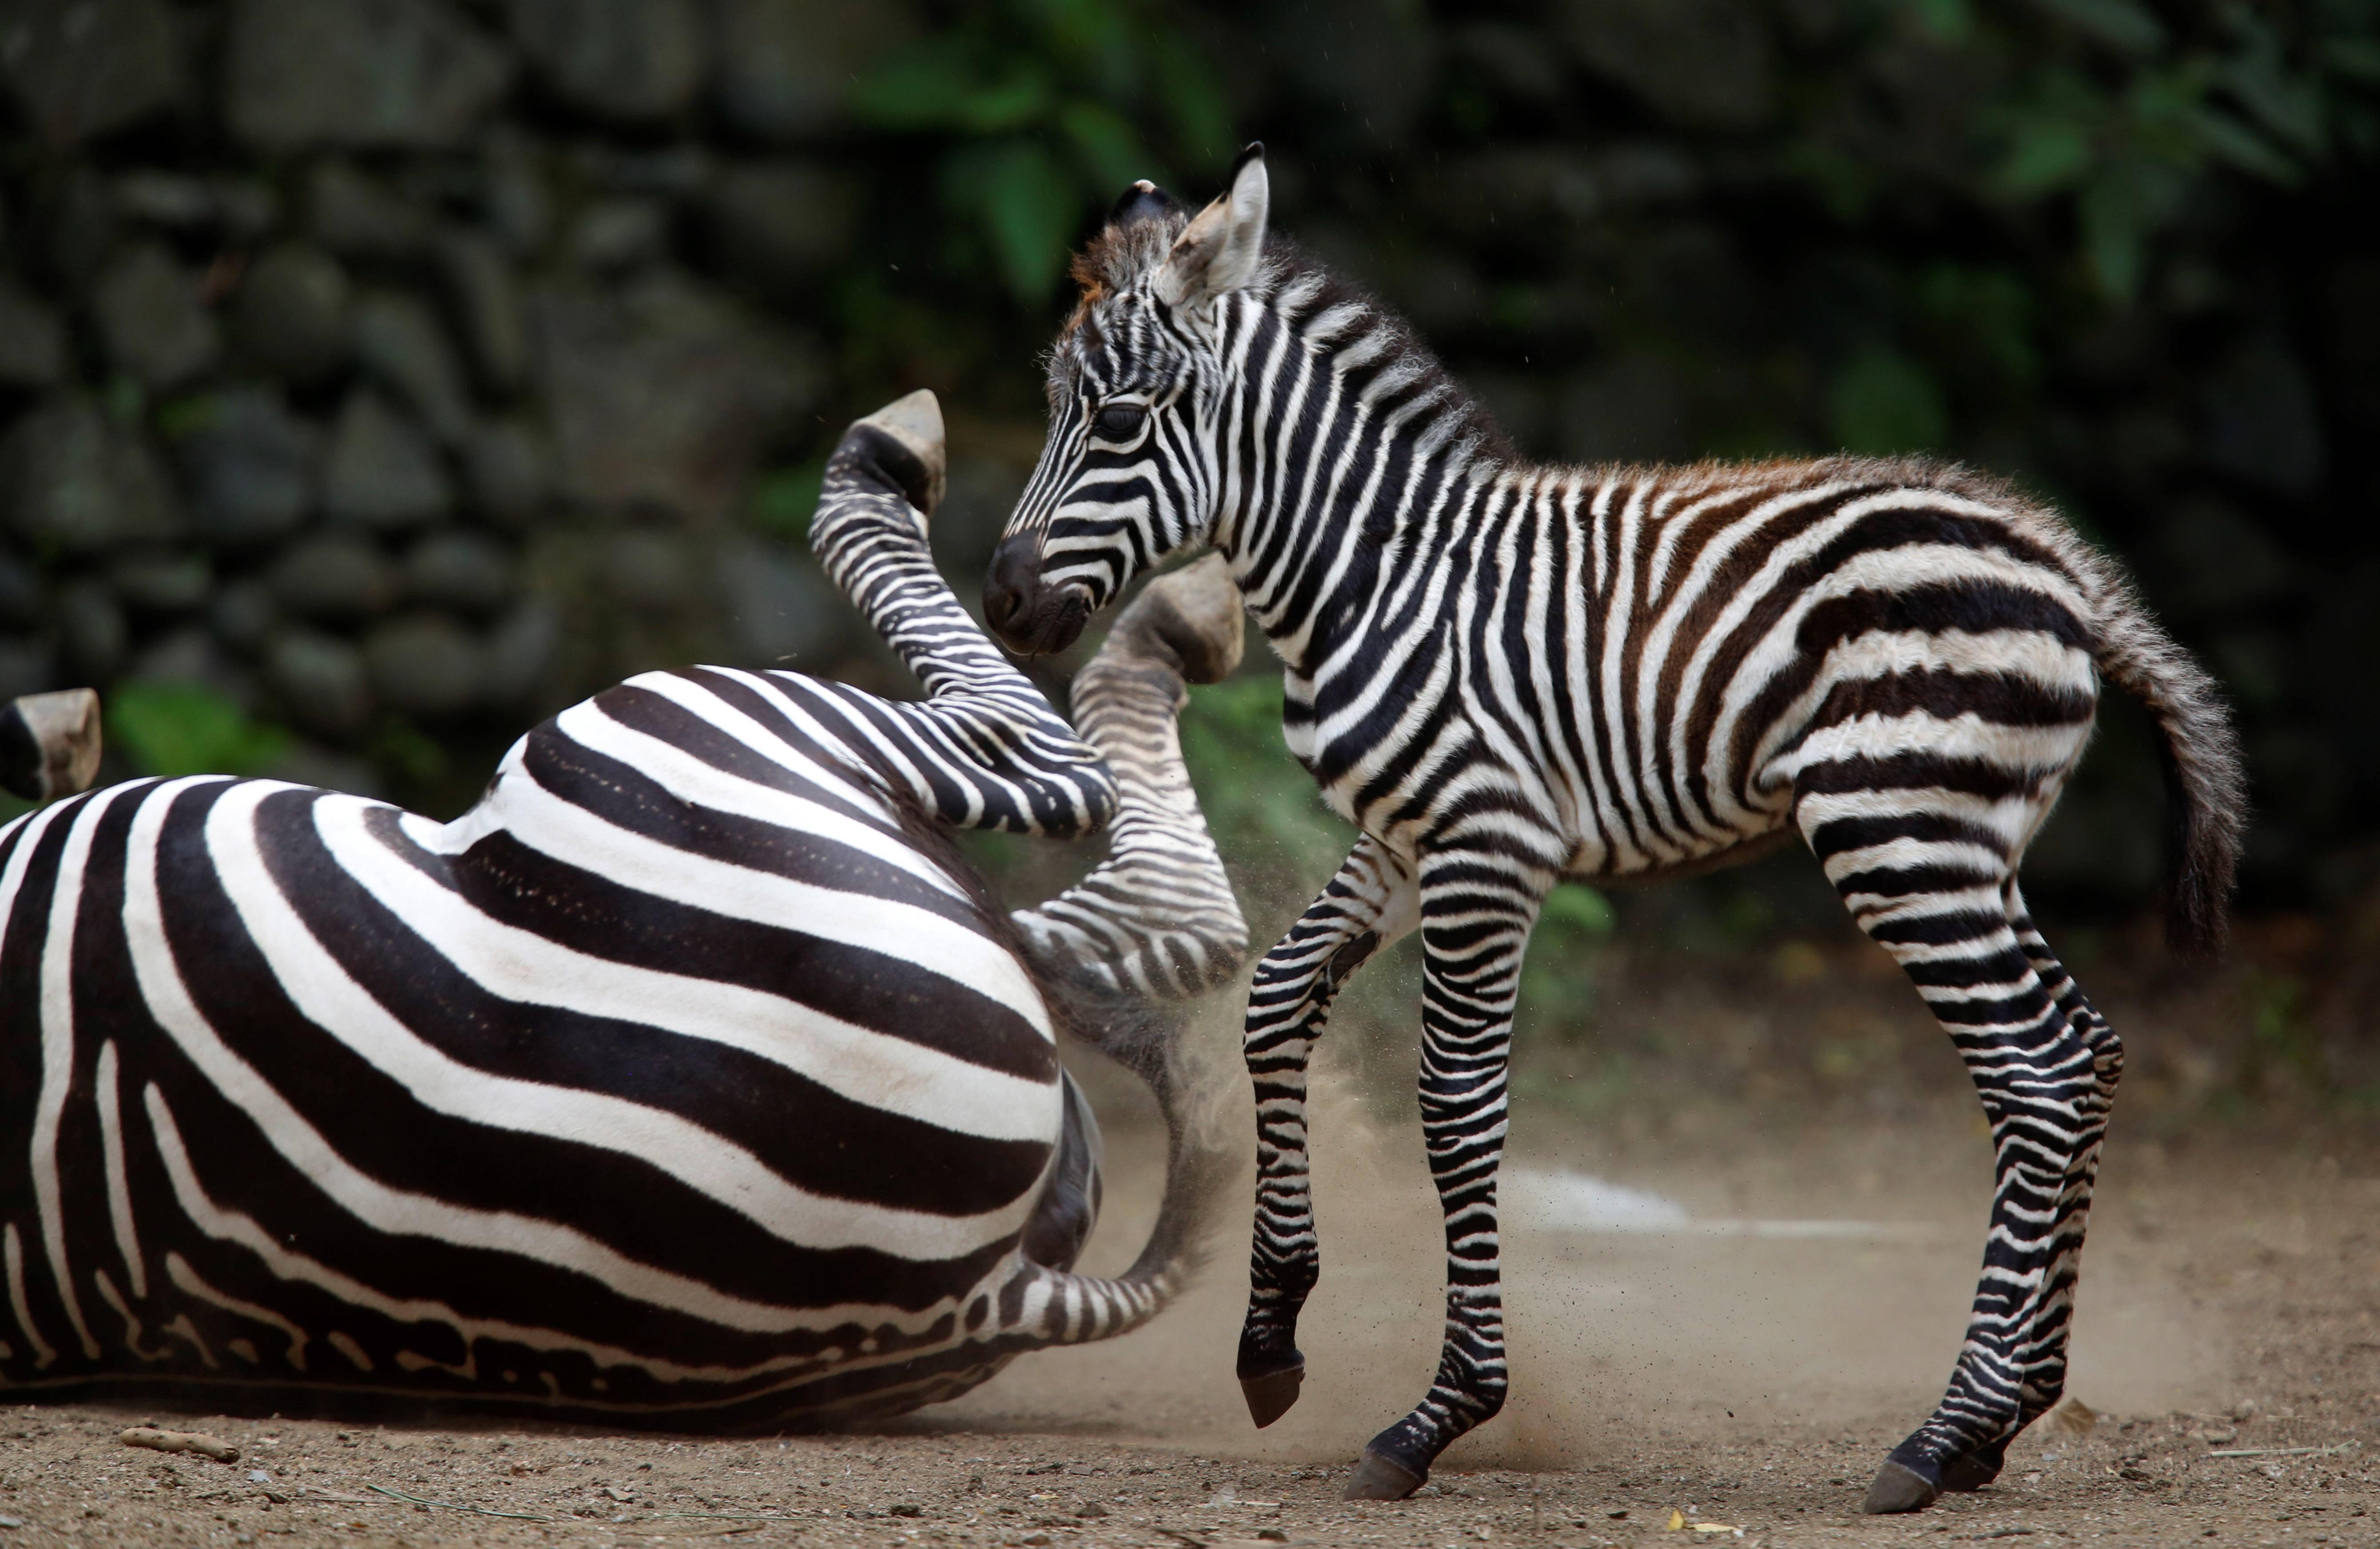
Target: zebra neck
1351 444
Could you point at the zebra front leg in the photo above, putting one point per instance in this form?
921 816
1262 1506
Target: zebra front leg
1368 904
1477 909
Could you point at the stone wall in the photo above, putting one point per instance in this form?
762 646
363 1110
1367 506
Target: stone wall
396 369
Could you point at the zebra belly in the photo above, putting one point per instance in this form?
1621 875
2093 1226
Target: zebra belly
272 1125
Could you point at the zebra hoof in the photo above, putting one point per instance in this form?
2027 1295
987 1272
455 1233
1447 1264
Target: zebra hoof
49 744
915 423
1970 1473
1382 1477
1272 1395
1192 616
1898 1488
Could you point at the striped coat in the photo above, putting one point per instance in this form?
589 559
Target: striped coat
690 1077
1507 675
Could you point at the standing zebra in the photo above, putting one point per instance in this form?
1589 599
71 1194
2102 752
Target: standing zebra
688 1079
1505 675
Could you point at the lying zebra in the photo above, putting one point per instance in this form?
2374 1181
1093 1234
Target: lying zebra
687 1078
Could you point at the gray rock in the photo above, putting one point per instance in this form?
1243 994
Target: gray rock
294 314
486 303
319 682
2263 422
677 171
190 656
333 580
665 396
1709 64
507 467
613 234
777 225
72 477
624 59
157 329
513 194
242 613
649 571
251 465
415 74
400 342
425 663
81 227
173 200
28 666
785 67
246 208
780 610
359 216
20 595
380 472
161 581
467 571
1627 407
92 633
80 68
307 765
32 339
520 653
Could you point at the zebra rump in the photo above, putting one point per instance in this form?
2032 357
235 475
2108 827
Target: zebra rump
689 1079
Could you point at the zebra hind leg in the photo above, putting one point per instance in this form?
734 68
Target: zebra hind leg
1937 892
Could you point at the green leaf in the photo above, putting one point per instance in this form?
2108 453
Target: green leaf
1199 113
1029 208
1109 148
1949 21
2045 154
2122 24
918 88
1574 907
784 499
1884 402
182 729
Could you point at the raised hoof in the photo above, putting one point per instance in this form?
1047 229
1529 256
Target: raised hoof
1968 1474
1272 1395
49 744
1897 1488
1193 615
1379 1477
915 421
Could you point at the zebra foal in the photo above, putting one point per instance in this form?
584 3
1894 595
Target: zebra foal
1505 675
689 1079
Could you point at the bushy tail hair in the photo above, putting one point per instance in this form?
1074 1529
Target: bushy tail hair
2206 797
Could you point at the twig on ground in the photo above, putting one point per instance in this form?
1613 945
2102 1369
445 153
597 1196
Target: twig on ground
2280 1451
180 1441
454 1506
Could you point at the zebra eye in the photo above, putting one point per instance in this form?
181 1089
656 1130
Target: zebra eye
1121 422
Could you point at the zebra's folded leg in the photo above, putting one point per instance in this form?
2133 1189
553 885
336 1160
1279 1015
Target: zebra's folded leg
1368 904
50 744
1158 919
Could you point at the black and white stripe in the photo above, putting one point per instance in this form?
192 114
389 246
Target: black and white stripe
1507 675
690 1077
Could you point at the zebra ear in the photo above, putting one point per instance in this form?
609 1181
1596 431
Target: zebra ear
1223 248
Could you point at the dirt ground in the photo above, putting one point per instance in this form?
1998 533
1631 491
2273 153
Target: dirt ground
1731 1348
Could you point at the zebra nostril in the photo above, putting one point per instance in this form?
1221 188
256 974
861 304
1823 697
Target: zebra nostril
1008 588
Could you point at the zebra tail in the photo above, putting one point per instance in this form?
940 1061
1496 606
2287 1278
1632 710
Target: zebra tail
2207 799
1078 1309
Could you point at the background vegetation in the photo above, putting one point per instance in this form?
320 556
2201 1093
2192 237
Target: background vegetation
601 279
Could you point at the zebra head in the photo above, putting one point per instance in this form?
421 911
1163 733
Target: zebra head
1130 468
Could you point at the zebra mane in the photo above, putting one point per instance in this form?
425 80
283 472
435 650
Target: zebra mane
1303 288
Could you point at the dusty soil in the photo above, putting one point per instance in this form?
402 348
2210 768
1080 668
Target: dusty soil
1747 1382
